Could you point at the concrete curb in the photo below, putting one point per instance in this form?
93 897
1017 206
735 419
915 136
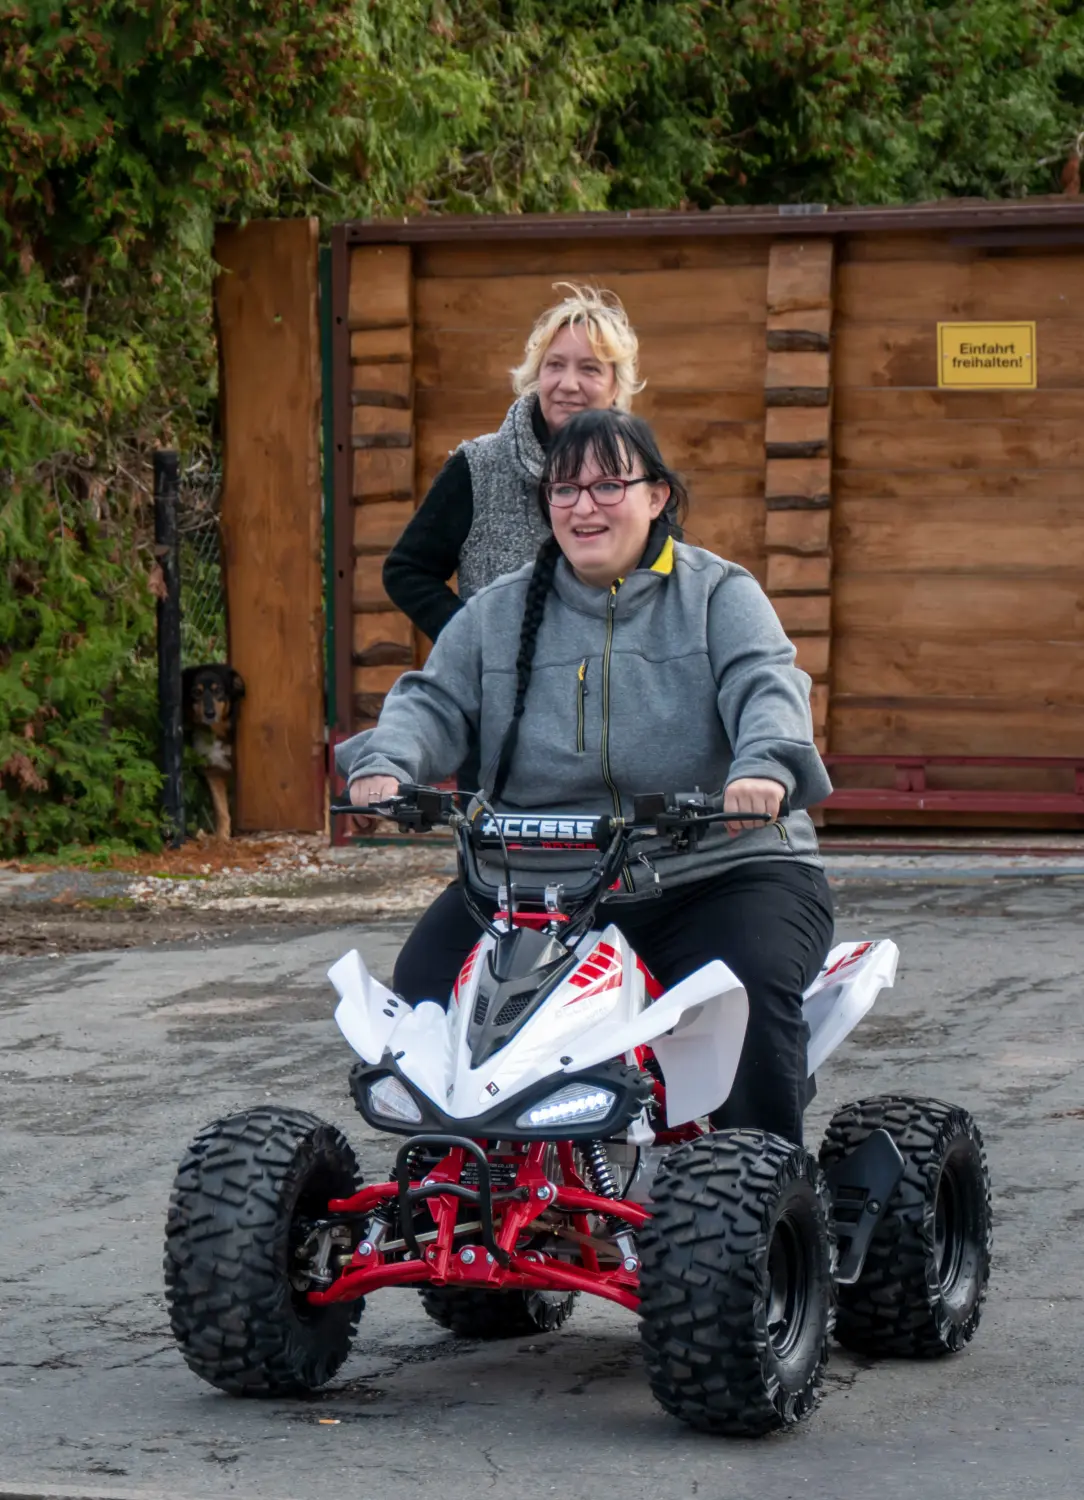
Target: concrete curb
166 1491
951 874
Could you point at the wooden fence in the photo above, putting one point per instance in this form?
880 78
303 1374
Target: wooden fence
923 545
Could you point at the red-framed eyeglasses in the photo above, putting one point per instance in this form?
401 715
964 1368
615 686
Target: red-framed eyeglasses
563 494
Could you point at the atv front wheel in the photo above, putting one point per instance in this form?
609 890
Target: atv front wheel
736 1283
242 1216
472 1313
924 1280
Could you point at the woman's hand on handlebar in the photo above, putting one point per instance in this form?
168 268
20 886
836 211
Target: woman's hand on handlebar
752 794
368 790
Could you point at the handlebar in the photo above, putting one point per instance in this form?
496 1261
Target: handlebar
671 815
678 817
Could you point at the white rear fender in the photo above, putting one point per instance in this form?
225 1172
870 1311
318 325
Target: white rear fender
853 976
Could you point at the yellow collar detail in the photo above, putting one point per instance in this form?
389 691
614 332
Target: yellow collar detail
664 563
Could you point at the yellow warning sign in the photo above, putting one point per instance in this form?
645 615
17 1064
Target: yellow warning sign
981 355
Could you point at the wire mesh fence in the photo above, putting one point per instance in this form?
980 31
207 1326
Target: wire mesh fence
203 592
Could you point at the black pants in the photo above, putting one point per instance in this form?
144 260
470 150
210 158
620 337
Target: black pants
770 921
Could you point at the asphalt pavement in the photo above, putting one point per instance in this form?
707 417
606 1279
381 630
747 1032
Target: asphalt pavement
111 1061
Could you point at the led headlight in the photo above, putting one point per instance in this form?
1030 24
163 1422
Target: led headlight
389 1098
575 1104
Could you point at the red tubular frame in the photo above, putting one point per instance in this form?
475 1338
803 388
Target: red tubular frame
442 1262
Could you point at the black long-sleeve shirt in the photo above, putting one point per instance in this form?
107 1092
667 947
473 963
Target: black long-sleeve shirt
417 569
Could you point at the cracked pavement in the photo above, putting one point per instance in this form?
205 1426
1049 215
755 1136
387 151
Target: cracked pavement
111 1061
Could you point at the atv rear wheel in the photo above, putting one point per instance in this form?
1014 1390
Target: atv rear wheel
472 1313
736 1283
924 1280
241 1209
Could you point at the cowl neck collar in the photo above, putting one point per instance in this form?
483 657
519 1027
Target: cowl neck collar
521 435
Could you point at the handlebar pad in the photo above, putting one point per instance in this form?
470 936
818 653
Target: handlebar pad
533 830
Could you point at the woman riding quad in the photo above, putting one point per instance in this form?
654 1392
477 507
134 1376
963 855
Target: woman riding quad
624 661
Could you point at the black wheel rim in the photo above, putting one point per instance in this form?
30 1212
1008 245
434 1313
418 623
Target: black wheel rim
959 1228
788 1287
948 1238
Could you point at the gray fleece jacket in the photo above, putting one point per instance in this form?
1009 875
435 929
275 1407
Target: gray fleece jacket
680 677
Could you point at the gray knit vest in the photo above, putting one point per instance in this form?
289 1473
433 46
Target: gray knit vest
507 529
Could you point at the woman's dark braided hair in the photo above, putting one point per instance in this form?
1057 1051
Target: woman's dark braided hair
614 439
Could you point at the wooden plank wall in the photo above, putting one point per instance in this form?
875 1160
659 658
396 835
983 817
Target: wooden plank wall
434 334
271 503
797 450
381 320
958 529
925 548
698 307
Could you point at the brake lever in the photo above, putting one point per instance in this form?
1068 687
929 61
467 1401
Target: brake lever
409 819
416 809
375 810
677 815
683 828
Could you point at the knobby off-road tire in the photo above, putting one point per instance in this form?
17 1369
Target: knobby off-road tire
476 1314
231 1234
736 1283
924 1280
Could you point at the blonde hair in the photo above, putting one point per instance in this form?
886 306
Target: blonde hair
604 321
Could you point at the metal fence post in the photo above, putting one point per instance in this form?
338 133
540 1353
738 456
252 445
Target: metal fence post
167 550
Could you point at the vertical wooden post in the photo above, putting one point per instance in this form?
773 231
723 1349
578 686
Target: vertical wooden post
266 303
327 436
798 469
381 319
341 601
167 551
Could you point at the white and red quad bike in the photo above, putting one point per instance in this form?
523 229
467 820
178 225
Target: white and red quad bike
555 1143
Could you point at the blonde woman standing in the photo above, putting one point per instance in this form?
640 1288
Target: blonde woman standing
481 517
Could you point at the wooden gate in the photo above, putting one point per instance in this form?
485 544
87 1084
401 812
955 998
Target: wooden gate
923 546
958 516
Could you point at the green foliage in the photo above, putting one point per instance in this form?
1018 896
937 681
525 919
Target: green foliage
990 96
557 105
87 856
128 128
122 120
75 607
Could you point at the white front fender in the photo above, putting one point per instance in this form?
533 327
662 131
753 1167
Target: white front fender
696 1030
367 1012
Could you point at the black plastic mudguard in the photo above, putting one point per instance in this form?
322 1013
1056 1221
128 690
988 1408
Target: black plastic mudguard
861 1186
